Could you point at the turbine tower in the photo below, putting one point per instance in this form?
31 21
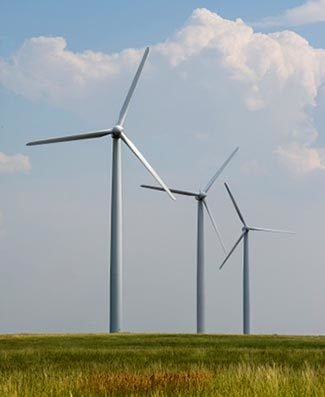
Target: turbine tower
200 275
245 232
118 135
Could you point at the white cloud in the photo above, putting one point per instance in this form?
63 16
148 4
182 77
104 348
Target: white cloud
311 11
302 159
43 68
14 163
263 85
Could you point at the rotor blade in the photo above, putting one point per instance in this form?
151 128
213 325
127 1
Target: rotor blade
134 149
260 229
125 106
87 135
214 224
235 205
183 192
233 249
224 165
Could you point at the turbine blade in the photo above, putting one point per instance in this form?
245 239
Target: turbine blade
125 106
217 174
214 224
134 149
232 250
235 205
183 192
260 229
87 135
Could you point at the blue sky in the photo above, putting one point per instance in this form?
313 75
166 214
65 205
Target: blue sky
210 84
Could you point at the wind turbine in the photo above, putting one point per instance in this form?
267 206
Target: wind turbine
118 135
245 231
201 196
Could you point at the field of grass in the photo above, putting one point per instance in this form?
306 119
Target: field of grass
161 365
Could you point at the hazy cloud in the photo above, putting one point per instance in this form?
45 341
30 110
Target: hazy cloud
302 159
14 163
311 11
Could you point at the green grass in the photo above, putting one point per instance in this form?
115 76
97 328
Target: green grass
159 365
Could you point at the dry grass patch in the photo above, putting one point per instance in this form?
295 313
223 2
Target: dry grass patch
170 381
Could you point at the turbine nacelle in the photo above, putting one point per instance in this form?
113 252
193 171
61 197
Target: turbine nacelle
117 131
201 196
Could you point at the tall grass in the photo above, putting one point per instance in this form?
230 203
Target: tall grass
161 365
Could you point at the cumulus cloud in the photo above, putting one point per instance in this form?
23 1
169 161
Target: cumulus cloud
311 11
14 163
264 85
43 68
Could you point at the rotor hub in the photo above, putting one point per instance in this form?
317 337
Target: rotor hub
201 196
117 131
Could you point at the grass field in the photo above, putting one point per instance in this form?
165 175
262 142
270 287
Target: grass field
159 365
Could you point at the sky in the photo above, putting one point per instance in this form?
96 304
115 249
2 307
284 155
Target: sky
219 75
